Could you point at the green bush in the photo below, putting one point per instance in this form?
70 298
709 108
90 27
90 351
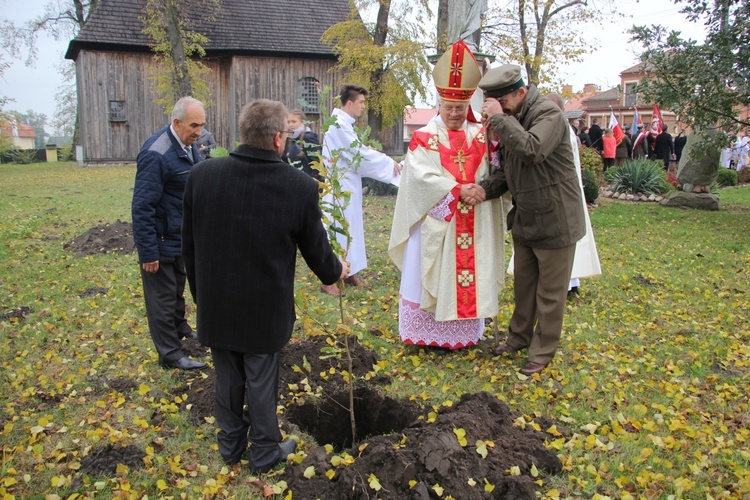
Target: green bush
743 176
590 186
22 156
639 176
727 177
591 161
379 188
218 152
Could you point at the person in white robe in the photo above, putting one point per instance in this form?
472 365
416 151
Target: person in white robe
343 151
448 246
741 148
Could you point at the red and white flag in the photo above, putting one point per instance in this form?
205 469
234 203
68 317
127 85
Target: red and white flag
616 129
641 137
656 122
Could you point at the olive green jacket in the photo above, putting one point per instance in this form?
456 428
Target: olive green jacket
539 172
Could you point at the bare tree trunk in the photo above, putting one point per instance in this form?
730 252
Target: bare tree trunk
442 26
375 121
183 85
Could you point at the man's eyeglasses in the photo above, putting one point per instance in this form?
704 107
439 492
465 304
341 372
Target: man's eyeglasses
288 132
503 98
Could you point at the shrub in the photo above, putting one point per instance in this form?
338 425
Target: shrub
591 161
379 188
743 176
22 156
590 186
640 176
218 152
672 181
727 177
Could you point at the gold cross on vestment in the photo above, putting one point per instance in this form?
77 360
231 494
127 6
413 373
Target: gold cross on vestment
459 160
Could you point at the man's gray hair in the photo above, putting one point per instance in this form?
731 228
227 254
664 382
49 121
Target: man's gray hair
180 107
260 121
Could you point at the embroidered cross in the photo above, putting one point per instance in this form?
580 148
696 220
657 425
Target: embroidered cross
464 208
465 241
459 160
465 278
433 142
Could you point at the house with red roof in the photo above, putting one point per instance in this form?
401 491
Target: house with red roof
416 118
20 135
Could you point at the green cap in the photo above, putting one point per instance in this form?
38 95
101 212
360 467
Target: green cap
502 80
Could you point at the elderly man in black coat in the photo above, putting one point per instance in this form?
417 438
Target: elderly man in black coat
245 216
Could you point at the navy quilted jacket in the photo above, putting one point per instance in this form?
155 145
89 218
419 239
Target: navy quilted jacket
163 167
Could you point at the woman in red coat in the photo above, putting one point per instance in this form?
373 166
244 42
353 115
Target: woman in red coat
609 148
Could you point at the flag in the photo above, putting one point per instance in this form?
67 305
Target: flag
616 129
636 120
641 137
656 122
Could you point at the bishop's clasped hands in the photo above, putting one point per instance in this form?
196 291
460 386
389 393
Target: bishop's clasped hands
474 193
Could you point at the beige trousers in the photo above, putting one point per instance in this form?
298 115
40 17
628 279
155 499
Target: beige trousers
540 283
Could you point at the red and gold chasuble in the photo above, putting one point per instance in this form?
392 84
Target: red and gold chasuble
461 160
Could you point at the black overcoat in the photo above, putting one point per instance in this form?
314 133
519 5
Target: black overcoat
244 218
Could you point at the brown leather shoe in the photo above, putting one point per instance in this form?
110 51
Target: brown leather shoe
354 281
330 290
504 349
532 368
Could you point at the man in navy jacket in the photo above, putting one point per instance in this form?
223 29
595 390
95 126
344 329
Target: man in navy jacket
246 215
163 165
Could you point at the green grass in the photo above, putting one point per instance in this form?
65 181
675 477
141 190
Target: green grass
651 378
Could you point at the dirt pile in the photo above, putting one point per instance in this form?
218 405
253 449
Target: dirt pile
472 450
107 238
103 460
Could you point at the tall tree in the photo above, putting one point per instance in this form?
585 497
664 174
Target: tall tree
540 35
386 56
63 20
706 84
173 26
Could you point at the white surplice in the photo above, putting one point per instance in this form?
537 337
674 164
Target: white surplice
341 140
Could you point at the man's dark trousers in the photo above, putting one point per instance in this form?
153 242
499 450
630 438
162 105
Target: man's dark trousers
163 292
238 373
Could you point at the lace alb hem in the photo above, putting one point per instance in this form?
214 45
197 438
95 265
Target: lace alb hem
416 326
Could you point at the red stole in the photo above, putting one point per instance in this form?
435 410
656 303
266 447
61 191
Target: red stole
462 160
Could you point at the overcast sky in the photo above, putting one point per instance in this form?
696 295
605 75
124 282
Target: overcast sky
34 87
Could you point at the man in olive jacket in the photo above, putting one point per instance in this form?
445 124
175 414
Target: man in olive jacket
244 218
547 216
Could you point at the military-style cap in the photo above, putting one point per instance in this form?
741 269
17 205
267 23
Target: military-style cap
500 81
456 73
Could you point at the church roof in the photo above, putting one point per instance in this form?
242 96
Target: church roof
251 27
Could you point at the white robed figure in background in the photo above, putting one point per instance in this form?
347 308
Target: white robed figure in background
450 252
355 161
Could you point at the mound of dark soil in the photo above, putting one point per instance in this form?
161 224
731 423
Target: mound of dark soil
107 238
425 459
93 291
16 314
299 361
316 359
103 460
407 457
194 349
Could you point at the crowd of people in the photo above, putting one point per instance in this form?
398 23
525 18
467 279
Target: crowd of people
230 228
